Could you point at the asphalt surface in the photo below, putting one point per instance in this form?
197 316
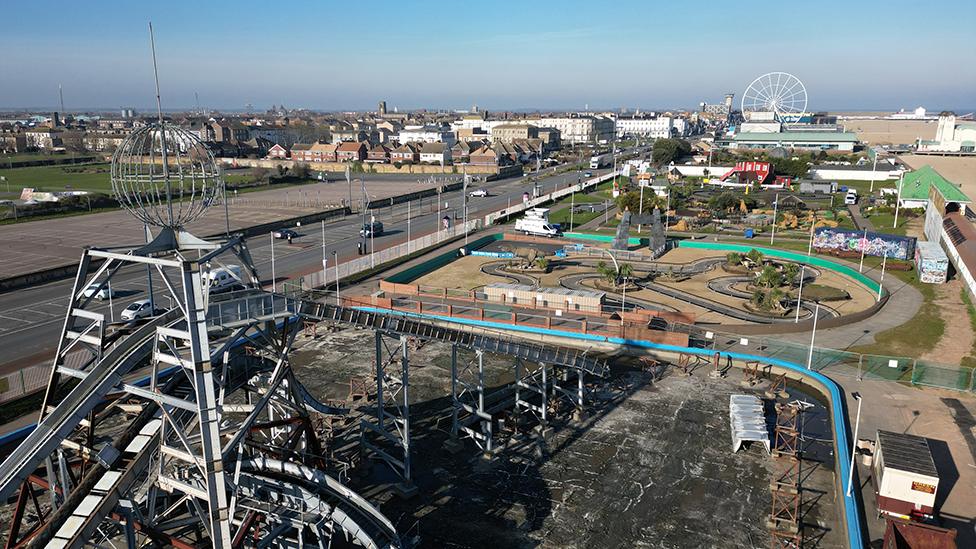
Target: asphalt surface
31 319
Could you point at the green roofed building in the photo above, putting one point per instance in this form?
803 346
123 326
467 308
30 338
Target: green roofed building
915 186
805 140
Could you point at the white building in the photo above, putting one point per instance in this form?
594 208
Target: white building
426 134
951 136
580 129
658 128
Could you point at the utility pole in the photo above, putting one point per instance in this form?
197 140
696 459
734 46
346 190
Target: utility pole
772 235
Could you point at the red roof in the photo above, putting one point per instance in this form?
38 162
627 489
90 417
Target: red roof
349 146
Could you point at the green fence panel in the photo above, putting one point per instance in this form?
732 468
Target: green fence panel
632 241
889 368
941 375
796 257
407 276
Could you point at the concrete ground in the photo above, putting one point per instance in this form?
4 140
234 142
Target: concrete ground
948 420
650 467
49 243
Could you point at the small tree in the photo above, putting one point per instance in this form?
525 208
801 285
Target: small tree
607 272
542 263
790 272
755 256
626 270
733 258
260 174
301 170
769 277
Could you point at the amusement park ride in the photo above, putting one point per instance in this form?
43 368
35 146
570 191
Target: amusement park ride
190 428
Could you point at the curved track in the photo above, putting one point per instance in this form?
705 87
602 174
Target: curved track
494 268
723 285
575 282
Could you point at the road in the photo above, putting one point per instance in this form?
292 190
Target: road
31 319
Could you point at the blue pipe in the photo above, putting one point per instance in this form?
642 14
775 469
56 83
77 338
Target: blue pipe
842 446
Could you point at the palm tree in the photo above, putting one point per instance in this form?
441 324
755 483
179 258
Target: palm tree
769 277
607 272
626 270
790 272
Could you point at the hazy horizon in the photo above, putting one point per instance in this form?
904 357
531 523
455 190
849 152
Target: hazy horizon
868 56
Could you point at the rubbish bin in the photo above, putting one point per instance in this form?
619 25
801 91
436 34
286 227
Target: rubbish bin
749 233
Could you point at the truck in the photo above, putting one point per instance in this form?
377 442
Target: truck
536 222
601 160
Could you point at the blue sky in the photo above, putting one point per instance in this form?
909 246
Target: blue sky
500 55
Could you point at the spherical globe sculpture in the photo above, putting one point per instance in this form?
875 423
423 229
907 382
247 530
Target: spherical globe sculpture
165 176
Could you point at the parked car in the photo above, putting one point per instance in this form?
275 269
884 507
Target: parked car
851 197
372 229
137 309
93 291
284 234
588 174
482 192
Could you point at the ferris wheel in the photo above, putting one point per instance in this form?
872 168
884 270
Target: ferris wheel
780 93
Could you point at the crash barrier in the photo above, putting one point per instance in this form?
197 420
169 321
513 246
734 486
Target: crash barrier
499 255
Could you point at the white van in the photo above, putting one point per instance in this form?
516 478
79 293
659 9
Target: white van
536 222
851 197
223 278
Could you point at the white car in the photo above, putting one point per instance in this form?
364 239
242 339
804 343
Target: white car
137 309
478 193
93 291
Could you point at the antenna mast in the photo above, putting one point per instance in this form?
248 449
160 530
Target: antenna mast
162 128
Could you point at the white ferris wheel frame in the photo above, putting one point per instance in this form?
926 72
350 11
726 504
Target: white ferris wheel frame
778 92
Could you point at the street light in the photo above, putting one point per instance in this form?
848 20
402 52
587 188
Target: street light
857 424
813 335
799 294
274 284
335 260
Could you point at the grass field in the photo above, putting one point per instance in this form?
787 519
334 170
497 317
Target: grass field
76 177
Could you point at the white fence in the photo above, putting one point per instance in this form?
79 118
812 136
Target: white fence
328 275
34 378
555 195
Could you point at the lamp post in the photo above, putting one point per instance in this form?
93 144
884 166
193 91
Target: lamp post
813 335
274 284
864 245
772 235
813 225
799 294
335 260
901 183
325 259
884 262
857 424
640 207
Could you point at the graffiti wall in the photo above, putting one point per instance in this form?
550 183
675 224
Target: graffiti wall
877 244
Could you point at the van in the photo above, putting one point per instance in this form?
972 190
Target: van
851 197
223 278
